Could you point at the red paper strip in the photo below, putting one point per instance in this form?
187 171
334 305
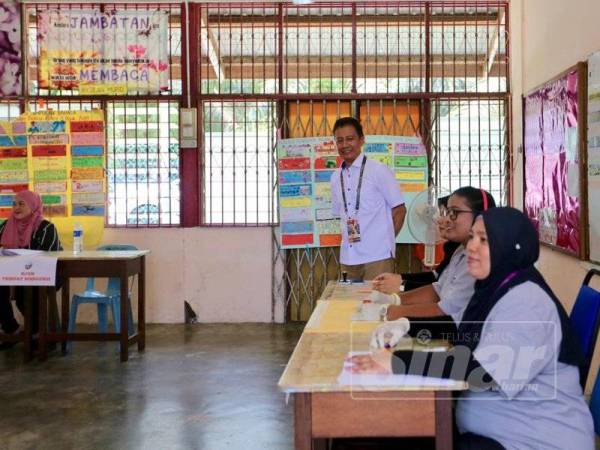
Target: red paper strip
49 150
87 126
13 153
294 163
296 239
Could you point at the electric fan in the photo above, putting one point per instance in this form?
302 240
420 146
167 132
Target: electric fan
422 218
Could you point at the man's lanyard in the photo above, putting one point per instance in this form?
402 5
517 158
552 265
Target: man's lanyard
362 169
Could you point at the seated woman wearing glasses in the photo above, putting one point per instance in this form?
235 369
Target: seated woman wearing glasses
515 348
449 295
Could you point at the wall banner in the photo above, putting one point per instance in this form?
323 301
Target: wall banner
100 53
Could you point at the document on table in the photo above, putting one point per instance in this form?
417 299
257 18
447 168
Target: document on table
370 312
347 378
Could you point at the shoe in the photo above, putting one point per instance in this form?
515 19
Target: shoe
9 345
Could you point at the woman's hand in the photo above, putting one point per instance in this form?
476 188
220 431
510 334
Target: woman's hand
394 312
388 283
379 362
389 334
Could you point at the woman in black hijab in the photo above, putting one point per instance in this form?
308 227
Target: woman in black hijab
514 347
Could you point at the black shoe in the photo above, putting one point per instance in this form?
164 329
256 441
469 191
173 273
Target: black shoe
7 345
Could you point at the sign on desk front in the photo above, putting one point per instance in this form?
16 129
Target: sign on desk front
27 270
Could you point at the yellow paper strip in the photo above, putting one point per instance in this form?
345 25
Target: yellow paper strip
293 202
43 163
103 89
417 176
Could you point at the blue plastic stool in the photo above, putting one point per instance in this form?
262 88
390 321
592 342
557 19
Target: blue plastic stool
104 300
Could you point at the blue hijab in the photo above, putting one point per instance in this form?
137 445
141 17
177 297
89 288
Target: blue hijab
514 247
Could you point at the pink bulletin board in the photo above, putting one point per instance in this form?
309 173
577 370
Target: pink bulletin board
554 159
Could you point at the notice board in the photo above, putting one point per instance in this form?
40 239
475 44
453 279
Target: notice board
554 173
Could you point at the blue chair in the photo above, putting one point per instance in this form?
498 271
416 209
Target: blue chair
104 300
595 404
585 319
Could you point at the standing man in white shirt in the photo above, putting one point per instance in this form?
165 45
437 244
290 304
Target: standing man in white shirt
370 204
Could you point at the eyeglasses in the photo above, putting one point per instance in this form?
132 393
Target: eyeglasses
452 213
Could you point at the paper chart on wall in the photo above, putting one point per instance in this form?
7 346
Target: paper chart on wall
14 168
593 175
37 153
305 169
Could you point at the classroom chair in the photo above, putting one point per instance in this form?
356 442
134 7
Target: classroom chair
104 300
585 319
595 404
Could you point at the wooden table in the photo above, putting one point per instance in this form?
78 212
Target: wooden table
104 264
325 409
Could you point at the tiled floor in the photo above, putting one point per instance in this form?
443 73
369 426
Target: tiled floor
208 387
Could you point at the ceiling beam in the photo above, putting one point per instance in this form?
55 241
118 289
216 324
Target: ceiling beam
346 19
212 47
371 67
493 46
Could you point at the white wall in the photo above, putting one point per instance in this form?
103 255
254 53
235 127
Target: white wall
224 273
556 34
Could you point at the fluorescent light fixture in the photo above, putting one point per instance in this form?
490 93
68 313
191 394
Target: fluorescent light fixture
302 2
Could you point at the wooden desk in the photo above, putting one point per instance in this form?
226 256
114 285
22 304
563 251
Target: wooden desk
105 264
324 409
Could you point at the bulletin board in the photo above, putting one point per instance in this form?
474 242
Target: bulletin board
305 166
593 148
555 159
59 155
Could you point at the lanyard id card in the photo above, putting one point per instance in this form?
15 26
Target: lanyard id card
352 225
353 228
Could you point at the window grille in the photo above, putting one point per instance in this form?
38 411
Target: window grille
143 163
238 168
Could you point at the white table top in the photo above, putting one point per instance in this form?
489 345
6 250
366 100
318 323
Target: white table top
97 254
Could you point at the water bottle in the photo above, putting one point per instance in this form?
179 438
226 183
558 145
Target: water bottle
77 238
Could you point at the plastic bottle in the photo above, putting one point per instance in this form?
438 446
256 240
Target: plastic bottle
77 238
